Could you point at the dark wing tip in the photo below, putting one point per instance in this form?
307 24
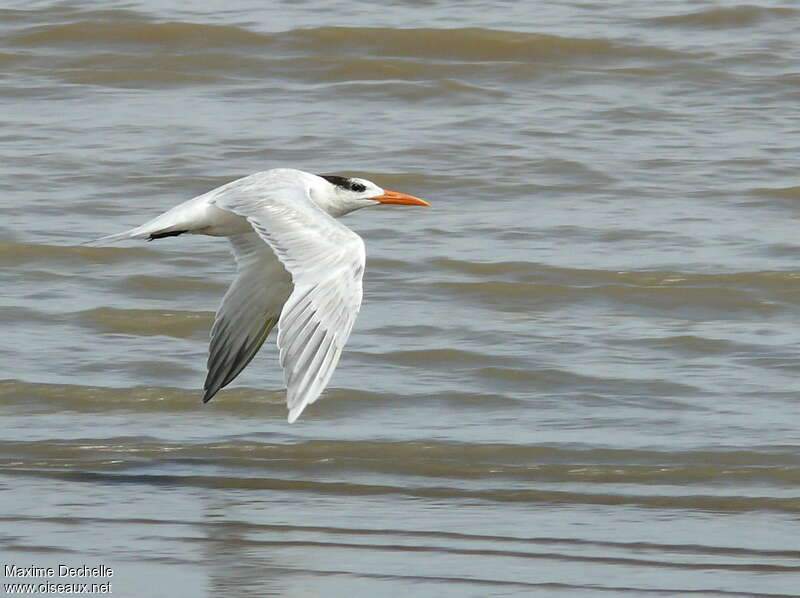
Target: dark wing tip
226 361
209 394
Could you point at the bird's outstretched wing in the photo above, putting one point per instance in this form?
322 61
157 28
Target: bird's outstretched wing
248 311
326 262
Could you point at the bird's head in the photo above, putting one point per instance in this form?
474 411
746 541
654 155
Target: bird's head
346 194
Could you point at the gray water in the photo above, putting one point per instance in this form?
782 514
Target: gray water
575 375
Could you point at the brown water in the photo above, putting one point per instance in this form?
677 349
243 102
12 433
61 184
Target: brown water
576 375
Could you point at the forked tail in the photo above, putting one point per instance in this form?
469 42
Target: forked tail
178 220
128 234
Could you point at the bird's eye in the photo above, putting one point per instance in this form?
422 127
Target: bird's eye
358 187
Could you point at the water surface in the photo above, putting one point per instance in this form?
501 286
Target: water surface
576 375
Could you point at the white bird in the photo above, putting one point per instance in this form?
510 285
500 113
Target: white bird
296 266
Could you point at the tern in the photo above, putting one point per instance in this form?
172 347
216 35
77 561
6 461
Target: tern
297 267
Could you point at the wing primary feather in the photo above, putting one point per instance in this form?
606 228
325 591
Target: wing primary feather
311 373
298 325
297 402
299 340
298 367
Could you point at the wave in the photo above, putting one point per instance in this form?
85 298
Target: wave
731 16
779 192
691 303
468 44
15 254
460 44
116 33
421 534
438 459
739 503
515 284
148 322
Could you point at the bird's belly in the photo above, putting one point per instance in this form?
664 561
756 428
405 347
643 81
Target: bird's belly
222 223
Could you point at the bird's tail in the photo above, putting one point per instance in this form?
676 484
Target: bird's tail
180 219
133 233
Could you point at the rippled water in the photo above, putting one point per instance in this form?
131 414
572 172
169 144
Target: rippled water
576 375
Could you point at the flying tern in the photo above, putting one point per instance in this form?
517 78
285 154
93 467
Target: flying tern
297 267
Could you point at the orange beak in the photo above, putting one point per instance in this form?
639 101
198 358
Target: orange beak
400 198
